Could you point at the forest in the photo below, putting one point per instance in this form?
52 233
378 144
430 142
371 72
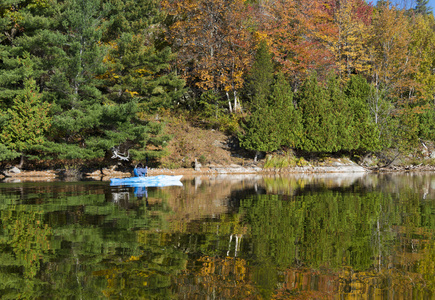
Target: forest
88 80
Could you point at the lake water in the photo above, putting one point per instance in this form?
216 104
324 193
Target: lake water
348 236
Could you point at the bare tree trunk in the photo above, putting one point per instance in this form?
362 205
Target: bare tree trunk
21 161
229 103
256 155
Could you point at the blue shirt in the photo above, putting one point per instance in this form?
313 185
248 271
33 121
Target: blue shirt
140 171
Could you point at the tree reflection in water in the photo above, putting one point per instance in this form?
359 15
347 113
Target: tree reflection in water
260 238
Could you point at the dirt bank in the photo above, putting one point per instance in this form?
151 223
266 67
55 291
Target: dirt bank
338 166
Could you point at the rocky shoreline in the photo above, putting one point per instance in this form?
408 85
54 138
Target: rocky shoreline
339 166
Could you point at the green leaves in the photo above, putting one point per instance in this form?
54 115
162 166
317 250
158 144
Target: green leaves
98 68
287 118
260 79
274 122
261 130
28 119
317 119
335 121
365 133
7 154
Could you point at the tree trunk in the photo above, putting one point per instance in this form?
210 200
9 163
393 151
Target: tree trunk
256 155
229 103
21 161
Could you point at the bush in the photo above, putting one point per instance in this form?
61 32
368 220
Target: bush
202 159
280 161
301 162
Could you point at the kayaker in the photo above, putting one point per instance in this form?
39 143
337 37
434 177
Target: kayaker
140 171
140 192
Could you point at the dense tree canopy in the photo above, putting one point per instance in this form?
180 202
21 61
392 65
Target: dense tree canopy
98 66
320 76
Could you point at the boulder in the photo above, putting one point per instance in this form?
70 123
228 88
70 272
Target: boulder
14 170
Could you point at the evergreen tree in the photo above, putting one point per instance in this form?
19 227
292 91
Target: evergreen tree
427 124
261 130
85 125
96 97
17 26
319 124
341 113
27 121
422 8
58 46
365 132
7 154
287 119
383 3
407 139
260 78
138 66
274 121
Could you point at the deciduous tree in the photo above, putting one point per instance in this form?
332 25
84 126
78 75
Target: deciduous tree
213 44
422 47
393 67
353 20
301 35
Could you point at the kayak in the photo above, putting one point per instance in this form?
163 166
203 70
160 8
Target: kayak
158 181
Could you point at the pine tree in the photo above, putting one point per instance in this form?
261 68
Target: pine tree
7 154
27 121
422 8
20 37
75 88
67 48
138 66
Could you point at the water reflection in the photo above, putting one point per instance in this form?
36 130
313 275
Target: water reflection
221 237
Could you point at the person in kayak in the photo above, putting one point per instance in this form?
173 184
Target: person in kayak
140 171
140 192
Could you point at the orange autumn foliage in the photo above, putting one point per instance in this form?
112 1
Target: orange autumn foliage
212 40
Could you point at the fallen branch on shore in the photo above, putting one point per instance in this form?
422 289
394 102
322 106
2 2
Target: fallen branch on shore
116 154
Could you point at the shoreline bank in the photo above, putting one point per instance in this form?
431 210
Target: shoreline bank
106 174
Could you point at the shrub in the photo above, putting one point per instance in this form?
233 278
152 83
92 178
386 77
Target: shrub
202 159
280 161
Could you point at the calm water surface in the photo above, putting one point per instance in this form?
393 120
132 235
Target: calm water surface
302 237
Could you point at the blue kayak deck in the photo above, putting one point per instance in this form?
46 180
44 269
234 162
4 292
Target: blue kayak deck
158 181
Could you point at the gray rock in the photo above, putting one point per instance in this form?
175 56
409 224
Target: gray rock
14 170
